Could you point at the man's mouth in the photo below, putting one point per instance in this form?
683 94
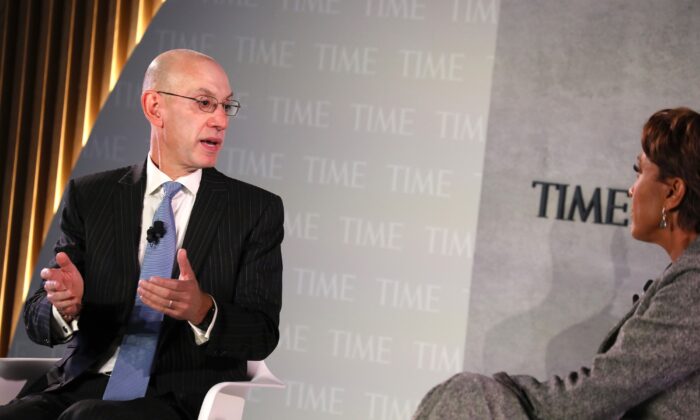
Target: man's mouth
211 143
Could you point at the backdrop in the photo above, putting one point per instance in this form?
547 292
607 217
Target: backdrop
574 82
370 119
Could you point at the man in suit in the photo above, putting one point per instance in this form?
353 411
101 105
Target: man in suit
220 305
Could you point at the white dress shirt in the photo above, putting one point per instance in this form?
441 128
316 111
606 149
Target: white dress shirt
182 204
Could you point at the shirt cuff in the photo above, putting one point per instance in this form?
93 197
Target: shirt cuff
65 329
201 336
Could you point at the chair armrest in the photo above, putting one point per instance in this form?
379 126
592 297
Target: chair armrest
16 371
225 400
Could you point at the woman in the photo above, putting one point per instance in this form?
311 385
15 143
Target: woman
649 364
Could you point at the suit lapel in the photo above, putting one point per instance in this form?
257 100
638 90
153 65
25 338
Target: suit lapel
204 219
201 230
128 208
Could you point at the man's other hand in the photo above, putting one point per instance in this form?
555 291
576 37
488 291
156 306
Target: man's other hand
180 299
64 286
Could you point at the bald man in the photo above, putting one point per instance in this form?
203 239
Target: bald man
219 306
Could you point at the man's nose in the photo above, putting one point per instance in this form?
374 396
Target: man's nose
219 119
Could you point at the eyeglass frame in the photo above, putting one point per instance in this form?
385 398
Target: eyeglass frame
235 104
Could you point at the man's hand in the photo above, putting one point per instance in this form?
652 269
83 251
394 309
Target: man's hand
64 286
179 299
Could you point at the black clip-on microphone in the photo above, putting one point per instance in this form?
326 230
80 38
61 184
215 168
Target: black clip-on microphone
155 232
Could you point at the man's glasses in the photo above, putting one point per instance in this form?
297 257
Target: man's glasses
209 103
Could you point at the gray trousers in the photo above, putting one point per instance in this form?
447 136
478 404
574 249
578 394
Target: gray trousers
470 396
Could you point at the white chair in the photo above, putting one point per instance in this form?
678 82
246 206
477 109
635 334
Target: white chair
16 371
224 401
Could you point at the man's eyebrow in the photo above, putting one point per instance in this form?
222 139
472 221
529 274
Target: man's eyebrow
206 91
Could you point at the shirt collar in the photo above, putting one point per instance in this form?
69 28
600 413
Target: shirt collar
155 178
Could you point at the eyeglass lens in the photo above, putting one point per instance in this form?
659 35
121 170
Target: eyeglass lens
209 104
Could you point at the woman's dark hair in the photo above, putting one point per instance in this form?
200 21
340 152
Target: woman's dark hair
671 139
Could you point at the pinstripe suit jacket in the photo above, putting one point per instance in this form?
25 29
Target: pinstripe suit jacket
233 242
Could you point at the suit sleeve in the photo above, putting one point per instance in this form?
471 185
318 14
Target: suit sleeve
248 328
655 349
38 319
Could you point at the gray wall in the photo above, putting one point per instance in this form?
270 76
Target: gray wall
573 83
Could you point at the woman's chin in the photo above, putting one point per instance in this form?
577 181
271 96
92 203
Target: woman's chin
641 236
636 234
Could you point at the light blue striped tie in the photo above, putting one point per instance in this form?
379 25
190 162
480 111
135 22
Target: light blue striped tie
132 369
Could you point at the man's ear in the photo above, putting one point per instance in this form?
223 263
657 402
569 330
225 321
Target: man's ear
151 103
676 192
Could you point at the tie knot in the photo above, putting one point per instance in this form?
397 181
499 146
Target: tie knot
171 188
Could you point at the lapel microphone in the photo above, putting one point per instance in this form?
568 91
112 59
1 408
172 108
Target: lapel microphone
155 232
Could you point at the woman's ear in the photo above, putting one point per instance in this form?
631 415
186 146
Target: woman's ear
151 105
676 192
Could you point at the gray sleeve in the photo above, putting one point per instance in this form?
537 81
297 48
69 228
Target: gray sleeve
656 348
